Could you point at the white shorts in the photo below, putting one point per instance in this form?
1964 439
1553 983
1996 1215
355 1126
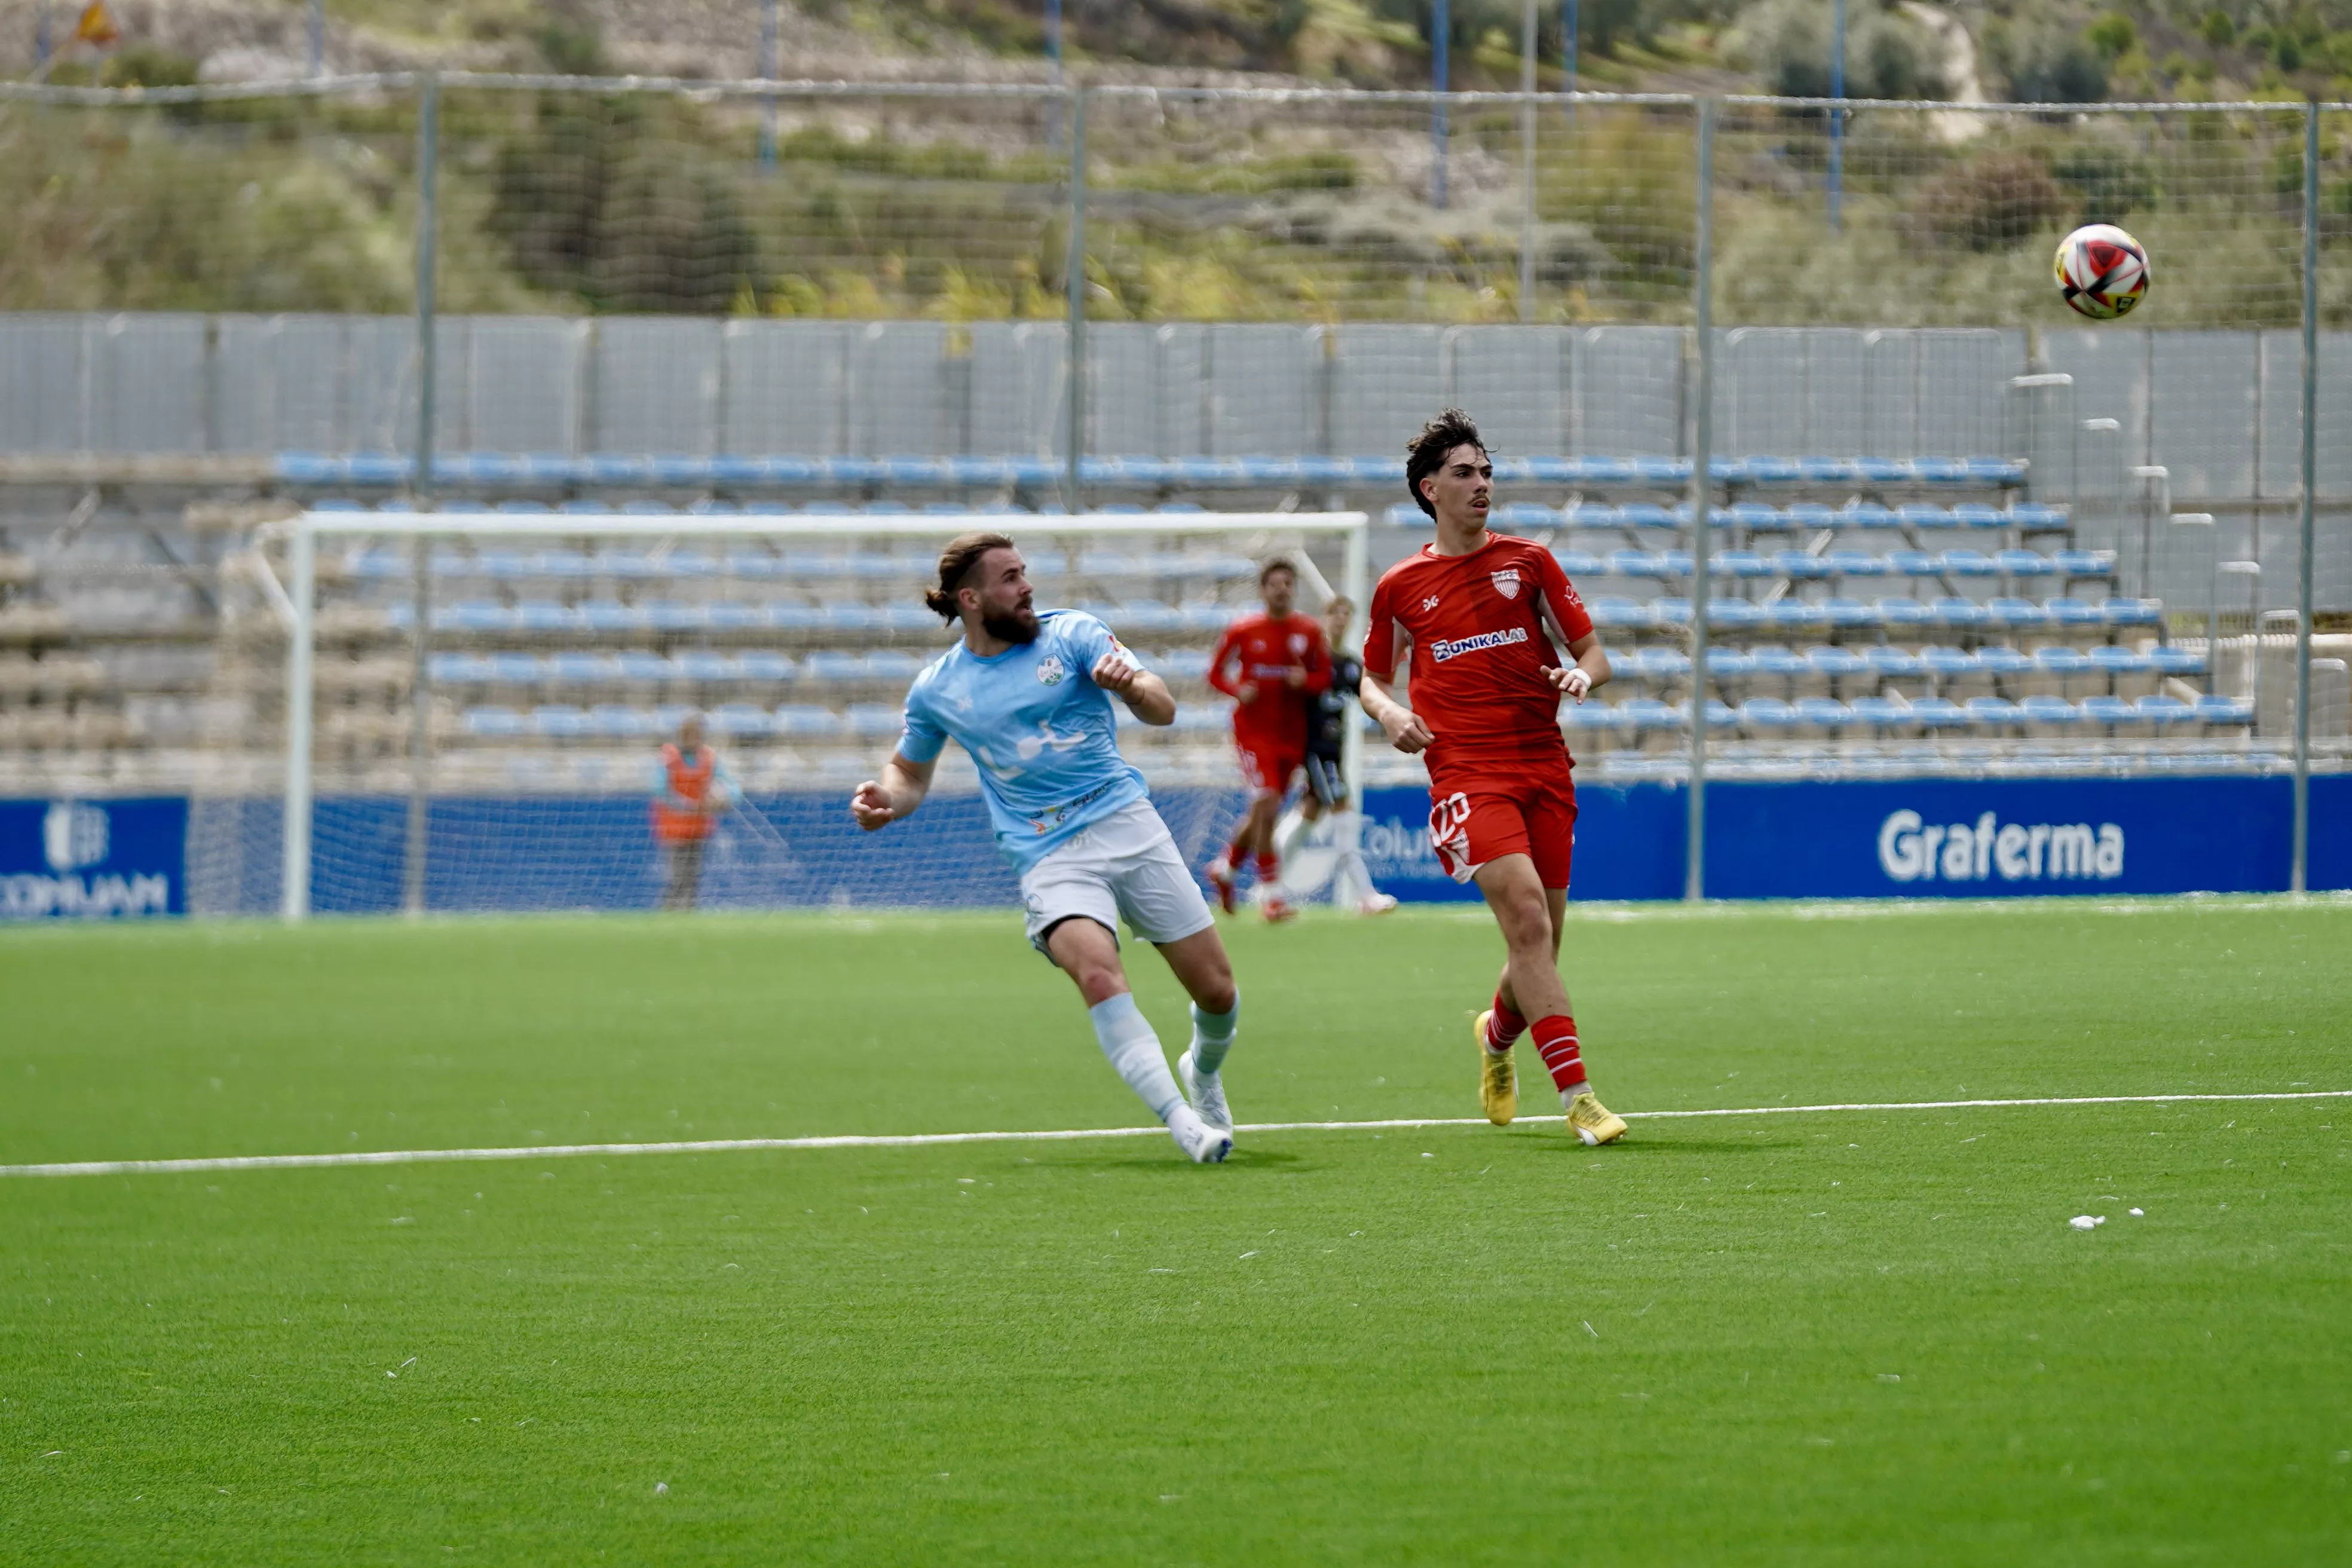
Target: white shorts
1127 865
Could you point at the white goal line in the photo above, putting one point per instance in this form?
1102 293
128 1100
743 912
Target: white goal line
925 1140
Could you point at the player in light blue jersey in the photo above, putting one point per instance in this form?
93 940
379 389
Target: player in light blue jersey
1029 697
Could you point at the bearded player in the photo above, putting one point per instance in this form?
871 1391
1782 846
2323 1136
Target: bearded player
1274 667
1029 697
1486 617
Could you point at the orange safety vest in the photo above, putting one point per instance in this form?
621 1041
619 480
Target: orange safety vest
686 782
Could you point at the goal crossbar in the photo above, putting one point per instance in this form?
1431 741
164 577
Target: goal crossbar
296 600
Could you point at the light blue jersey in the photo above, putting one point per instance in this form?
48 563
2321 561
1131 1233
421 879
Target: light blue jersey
1041 732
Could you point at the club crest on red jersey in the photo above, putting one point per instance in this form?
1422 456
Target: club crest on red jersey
1506 582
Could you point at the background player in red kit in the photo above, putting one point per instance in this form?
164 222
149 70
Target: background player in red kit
1485 616
1273 666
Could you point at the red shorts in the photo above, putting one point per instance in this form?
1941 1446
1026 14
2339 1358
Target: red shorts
1266 766
1486 819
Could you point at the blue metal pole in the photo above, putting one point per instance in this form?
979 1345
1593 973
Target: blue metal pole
1054 35
1441 23
1837 113
318 38
767 73
41 36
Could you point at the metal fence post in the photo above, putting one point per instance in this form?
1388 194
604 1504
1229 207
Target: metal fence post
2298 869
1441 26
1075 283
318 38
294 889
1837 113
1702 492
428 360
1528 163
767 73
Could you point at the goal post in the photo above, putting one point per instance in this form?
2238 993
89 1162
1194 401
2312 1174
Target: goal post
740 605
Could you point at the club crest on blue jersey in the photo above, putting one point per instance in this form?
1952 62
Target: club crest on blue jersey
1050 671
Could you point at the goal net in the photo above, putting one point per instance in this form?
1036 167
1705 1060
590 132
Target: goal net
475 703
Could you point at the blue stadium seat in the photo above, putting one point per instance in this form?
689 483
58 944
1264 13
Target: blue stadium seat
1976 514
833 669
2051 711
1823 713
1991 712
734 615
1939 713
1620 614
1738 563
1867 514
740 720
1911 563
470 616
2213 710
1883 712
2025 563
1767 713
1594 715
763 664
458 669
637 665
892 664
1634 564
2017 615
2105 709
806 720
558 721
845 618
2061 661
1518 515
1724 663
1649 713
1921 514
2132 612
1657 663
2161 710
1645 514
2002 660
2031 517
584 668
1957 614
1948 663
1719 715
619 722
1903 611
1848 613
1800 565
493 722
1580 563
1771 658
2084 562
1968 563
874 721
2168 660
1835 661
1893 663
2120 662
1754 515
676 615
701 665
1796 615
516 669
1588 515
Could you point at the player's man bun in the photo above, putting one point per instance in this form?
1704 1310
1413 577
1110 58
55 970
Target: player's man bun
956 562
1427 454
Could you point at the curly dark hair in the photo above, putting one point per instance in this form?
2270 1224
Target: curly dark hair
956 562
1426 455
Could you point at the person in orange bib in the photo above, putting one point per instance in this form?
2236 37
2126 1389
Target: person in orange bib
691 788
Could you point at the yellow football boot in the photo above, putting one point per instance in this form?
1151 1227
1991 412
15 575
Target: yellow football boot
1594 1121
1498 1087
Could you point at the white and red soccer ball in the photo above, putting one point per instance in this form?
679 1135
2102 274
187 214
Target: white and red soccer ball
2101 271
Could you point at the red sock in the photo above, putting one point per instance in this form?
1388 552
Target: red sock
1504 1029
1234 856
1556 1043
1268 868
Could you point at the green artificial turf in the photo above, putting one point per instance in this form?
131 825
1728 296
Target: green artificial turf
1834 1336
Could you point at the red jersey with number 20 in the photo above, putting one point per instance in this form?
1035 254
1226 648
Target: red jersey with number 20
1482 630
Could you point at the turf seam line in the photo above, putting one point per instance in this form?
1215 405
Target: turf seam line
922 1140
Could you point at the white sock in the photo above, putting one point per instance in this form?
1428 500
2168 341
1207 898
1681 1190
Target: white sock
1287 832
1134 1050
1212 1036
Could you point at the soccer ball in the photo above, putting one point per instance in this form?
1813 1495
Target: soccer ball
2101 271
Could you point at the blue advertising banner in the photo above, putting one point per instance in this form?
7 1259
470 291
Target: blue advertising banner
92 859
84 859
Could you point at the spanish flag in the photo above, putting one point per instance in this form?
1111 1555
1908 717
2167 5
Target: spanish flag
96 27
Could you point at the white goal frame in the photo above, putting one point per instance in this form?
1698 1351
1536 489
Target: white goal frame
295 600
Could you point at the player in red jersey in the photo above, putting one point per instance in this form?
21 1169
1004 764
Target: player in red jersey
1485 616
1272 666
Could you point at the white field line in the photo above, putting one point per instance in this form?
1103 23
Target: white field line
924 1139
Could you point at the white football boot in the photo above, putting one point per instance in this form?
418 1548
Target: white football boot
1202 1144
1206 1090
